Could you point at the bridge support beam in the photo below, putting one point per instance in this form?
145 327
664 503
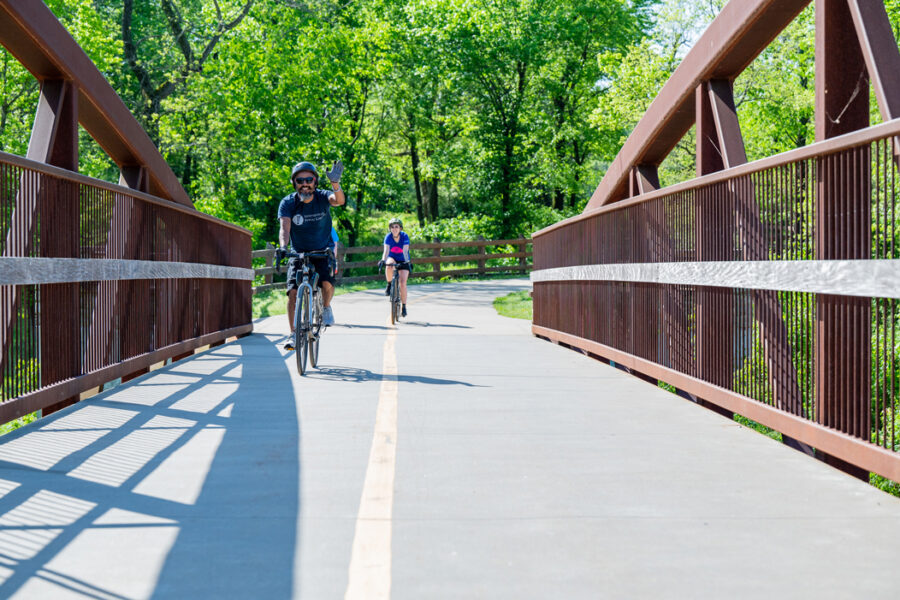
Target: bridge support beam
714 224
880 53
842 222
644 178
54 140
720 145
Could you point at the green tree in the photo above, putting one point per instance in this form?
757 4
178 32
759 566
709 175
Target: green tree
635 76
18 97
167 42
502 49
775 95
430 110
443 108
567 93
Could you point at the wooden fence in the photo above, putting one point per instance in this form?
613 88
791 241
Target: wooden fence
433 266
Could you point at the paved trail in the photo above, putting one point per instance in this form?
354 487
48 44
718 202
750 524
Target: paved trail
453 456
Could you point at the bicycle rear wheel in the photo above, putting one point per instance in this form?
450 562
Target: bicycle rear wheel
317 330
301 330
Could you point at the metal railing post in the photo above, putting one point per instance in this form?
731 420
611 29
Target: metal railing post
270 262
436 266
522 249
482 263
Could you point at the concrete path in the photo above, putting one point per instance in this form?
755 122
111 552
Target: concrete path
454 456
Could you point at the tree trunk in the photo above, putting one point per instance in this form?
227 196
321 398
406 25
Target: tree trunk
559 195
559 199
580 159
506 172
414 158
430 188
188 174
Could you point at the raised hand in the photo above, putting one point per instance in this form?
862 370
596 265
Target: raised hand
337 169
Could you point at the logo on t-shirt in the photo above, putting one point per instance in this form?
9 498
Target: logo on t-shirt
298 220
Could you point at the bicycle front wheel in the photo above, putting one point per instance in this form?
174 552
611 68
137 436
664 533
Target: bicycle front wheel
301 329
395 300
316 331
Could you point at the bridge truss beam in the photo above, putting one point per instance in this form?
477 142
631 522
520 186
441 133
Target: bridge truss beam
34 36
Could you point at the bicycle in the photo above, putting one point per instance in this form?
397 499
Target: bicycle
394 298
308 308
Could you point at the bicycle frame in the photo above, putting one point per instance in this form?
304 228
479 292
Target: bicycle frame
395 290
307 290
307 308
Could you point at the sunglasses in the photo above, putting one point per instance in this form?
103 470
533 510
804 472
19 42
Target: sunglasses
300 180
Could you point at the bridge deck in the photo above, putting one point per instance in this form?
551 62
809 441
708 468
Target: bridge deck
501 466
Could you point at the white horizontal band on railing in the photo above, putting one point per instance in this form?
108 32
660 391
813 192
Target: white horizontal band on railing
30 271
869 278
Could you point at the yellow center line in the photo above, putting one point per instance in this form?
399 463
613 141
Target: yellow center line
420 298
370 560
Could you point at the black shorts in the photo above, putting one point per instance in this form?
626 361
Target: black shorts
323 265
403 267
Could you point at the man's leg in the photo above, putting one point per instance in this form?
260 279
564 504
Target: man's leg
327 295
292 301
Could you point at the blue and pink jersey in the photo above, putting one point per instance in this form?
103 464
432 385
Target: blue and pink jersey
396 247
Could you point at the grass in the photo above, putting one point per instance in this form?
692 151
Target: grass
13 425
884 484
269 303
516 305
757 427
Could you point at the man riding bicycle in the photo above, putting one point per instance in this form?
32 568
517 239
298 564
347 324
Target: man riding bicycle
305 217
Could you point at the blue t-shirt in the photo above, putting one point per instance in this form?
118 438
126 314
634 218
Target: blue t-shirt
310 222
396 248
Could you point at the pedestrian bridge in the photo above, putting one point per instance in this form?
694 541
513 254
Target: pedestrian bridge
452 456
460 454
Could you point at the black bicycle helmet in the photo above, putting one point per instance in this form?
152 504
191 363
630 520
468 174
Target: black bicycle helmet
304 166
397 221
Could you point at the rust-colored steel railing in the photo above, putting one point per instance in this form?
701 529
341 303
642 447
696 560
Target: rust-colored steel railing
771 289
98 282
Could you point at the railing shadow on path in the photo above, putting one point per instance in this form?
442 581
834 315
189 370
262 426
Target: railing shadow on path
357 375
357 326
438 325
407 323
182 483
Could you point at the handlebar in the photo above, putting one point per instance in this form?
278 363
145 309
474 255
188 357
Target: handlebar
396 263
281 255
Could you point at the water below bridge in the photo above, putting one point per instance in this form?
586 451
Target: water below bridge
454 456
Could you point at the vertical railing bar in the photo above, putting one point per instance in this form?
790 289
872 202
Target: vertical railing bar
879 314
848 362
893 386
882 363
893 301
